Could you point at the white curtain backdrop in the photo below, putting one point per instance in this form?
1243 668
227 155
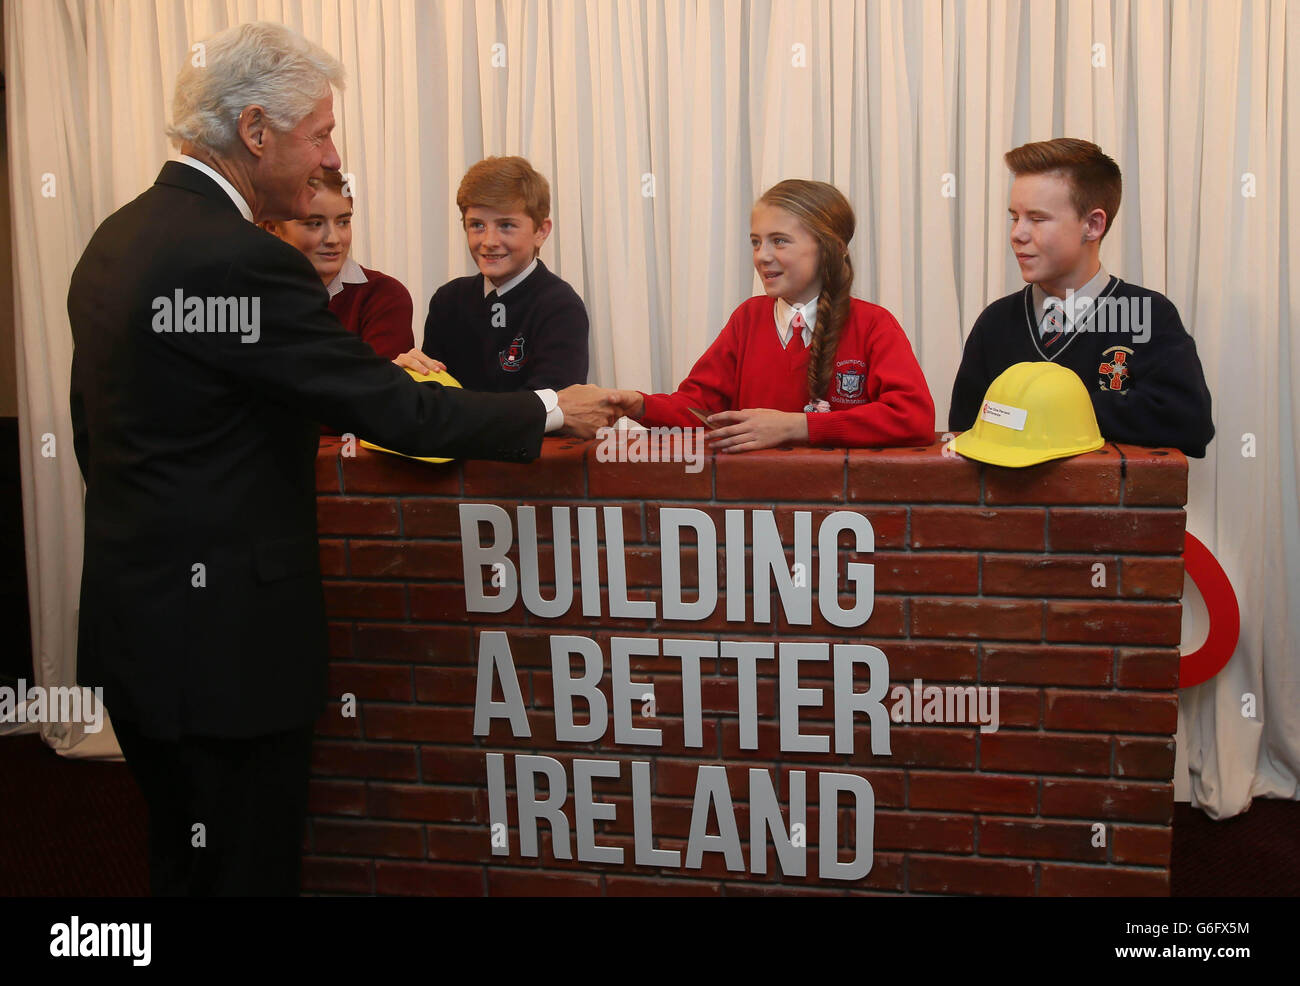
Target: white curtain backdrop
658 123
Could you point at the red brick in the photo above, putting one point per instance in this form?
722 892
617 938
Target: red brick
364 760
951 574
425 803
436 518
928 660
1144 758
911 475
559 471
676 778
1120 712
446 686
972 792
1041 575
1051 664
1036 753
390 684
446 604
335 797
886 620
356 515
365 600
1099 800
1154 477
957 527
1090 478
1039 840
452 765
922 746
333 558
327 467
415 645
985 619
927 833
428 880
888 525
460 844
1127 530
381 472
323 875
888 786
804 475
650 480
1152 578
1143 844
419 723
526 883
1060 880
367 838
635 886
334 723
1148 668
1019 707
1114 622
946 875
340 646
406 559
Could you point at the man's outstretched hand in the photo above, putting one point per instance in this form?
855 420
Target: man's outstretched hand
587 408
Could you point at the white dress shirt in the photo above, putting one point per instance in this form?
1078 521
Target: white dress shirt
784 315
349 273
489 287
220 179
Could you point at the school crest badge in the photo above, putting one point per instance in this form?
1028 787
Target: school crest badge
1114 369
512 357
849 384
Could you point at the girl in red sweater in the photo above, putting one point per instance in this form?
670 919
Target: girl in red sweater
805 364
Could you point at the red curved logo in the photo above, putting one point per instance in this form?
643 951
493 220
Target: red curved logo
1225 616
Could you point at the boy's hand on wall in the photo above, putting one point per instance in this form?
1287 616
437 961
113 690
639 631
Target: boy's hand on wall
755 428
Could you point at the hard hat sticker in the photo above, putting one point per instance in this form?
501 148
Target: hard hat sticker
1004 415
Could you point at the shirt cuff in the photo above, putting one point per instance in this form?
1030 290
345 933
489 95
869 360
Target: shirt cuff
554 415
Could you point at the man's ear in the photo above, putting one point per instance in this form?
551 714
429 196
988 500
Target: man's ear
544 230
1095 225
252 129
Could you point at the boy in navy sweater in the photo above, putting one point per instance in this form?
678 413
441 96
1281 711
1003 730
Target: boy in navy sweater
1126 343
514 325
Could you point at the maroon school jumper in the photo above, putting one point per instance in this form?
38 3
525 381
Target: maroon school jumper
379 311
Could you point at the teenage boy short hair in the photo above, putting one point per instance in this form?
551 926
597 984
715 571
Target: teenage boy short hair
1094 177
501 183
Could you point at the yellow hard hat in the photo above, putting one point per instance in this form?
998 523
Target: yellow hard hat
1031 413
442 377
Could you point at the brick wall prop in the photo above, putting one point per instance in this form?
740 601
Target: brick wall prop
830 733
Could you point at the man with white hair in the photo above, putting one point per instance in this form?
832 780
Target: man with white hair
205 353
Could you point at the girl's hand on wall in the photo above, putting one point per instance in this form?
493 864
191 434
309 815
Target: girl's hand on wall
755 428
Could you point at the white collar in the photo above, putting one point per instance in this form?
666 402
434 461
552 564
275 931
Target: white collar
349 273
488 286
1080 310
220 179
784 313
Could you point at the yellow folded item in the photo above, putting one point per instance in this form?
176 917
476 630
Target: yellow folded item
442 377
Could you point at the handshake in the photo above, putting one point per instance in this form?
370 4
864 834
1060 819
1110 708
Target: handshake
588 408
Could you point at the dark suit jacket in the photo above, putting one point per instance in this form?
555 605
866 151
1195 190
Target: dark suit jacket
198 449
